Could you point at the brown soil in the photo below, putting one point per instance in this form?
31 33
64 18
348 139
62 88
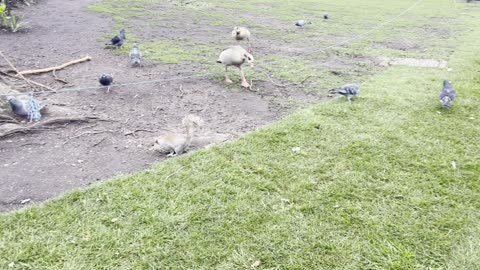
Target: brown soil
41 165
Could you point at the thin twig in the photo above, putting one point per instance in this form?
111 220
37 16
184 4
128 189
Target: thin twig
16 70
99 142
8 118
87 133
172 174
137 130
181 91
85 127
272 81
58 79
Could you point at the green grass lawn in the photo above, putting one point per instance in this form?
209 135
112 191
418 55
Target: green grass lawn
371 188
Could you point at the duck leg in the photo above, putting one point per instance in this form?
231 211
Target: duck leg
227 80
244 80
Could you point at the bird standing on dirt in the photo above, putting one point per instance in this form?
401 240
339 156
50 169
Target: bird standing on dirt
106 80
302 23
242 33
26 107
119 39
348 90
135 55
236 56
447 95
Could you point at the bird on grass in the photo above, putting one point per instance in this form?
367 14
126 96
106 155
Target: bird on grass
135 55
447 95
118 40
325 15
25 107
348 90
106 80
302 23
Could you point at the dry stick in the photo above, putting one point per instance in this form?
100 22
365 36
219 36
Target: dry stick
137 130
14 68
99 142
273 82
46 125
44 70
181 91
87 133
58 79
29 82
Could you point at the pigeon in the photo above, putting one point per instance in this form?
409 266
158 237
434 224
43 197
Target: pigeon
25 106
106 80
302 23
348 90
119 39
325 15
447 95
135 55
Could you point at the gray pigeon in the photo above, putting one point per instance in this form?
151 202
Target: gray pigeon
135 55
447 95
119 39
302 23
25 106
348 90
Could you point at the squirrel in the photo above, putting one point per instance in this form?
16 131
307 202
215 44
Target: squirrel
176 144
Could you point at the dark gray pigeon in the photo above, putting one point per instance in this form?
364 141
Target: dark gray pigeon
135 55
106 80
119 39
447 95
348 90
26 107
302 23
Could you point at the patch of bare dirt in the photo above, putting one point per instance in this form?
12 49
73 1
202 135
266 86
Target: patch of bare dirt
36 166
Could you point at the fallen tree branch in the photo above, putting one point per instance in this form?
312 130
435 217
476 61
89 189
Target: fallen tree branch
47 125
44 70
29 82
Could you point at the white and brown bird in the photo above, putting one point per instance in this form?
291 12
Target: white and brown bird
236 56
242 33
